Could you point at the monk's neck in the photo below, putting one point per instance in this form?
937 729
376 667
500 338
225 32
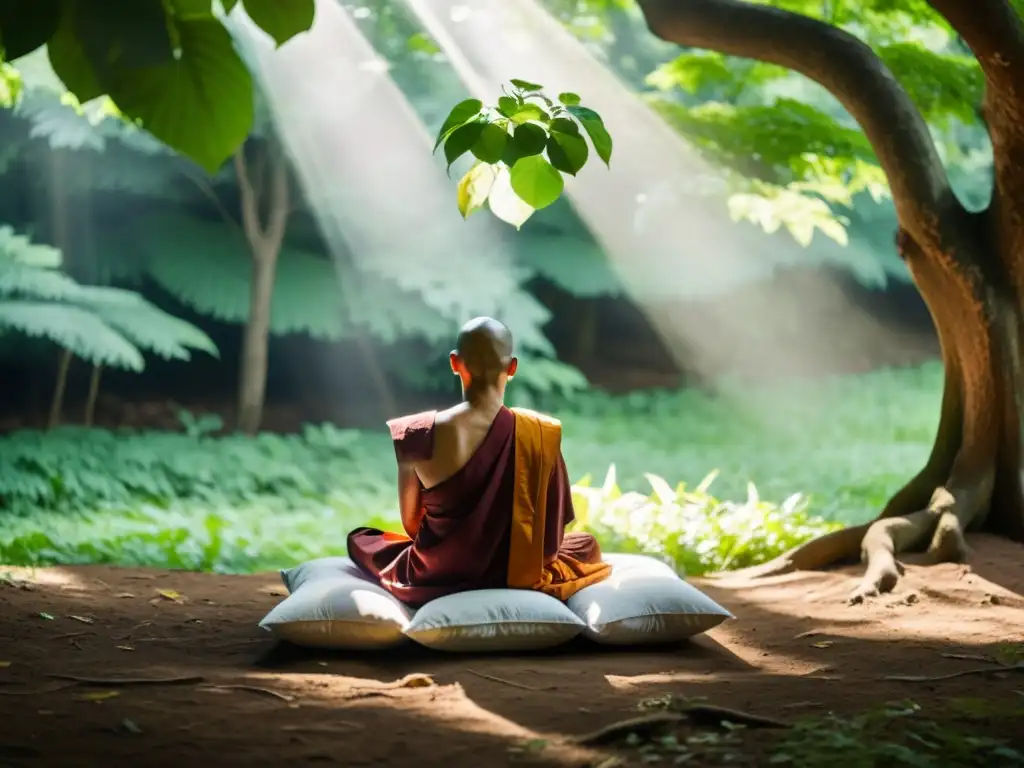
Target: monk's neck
489 400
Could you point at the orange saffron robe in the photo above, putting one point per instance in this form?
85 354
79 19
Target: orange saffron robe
538 448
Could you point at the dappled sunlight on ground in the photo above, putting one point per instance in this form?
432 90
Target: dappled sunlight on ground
795 649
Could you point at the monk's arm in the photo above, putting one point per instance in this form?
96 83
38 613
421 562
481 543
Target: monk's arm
409 498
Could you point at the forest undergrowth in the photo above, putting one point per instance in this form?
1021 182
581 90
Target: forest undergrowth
710 480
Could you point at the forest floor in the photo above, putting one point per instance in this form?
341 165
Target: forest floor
795 651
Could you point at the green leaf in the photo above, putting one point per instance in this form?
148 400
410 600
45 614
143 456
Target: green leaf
200 104
565 125
25 25
566 152
490 147
461 114
529 139
128 35
422 43
190 10
474 188
526 85
460 141
594 126
569 99
526 112
536 181
281 19
71 65
10 86
508 106
505 203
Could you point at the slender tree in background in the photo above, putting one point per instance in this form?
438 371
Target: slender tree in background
968 266
265 206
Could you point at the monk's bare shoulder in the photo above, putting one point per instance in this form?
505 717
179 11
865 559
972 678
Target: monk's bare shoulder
413 436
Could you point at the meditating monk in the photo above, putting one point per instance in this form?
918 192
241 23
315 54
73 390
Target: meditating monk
483 492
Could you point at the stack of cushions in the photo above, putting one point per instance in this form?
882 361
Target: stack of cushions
333 604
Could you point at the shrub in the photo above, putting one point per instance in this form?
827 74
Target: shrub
693 529
81 470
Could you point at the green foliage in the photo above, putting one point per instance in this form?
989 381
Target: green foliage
170 67
792 157
74 470
690 527
231 503
105 326
522 146
895 735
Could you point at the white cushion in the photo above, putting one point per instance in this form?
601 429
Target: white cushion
494 620
333 604
644 602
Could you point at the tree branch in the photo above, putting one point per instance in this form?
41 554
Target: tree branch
994 32
250 208
279 205
844 65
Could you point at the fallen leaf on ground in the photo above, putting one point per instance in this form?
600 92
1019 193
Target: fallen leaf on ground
97 695
123 595
170 594
130 727
415 680
4 664
83 619
125 648
823 644
46 616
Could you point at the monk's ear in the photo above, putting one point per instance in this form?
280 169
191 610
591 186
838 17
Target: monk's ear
453 361
513 366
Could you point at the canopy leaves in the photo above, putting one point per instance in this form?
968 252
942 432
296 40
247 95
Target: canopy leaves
169 66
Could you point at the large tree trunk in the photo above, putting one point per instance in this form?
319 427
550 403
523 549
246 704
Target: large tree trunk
265 241
968 267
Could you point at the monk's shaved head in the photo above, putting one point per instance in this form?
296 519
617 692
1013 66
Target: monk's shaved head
484 347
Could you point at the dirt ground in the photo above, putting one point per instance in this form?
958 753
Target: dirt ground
796 649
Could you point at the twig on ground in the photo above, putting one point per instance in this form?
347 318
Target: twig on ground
645 726
250 689
934 678
342 726
512 683
709 714
69 635
126 681
44 689
967 657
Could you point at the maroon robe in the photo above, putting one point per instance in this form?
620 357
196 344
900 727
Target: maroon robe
463 541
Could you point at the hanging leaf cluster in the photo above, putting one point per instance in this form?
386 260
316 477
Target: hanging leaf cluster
522 146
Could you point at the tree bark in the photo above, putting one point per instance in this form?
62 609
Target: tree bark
94 393
61 385
264 239
966 266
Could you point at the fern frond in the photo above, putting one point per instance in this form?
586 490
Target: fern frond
145 325
207 266
77 330
20 248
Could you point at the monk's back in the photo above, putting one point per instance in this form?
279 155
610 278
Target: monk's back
458 434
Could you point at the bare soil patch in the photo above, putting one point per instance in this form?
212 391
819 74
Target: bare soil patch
796 650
